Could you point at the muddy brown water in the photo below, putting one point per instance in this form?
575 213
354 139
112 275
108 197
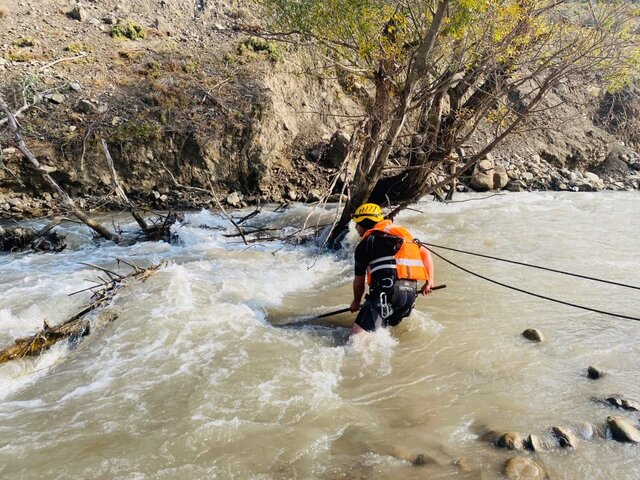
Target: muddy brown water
194 380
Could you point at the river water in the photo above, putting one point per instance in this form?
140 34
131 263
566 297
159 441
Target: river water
195 379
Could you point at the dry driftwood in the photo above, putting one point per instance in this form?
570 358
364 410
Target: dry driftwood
78 325
153 230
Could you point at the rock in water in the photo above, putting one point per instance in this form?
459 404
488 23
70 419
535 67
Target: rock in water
595 373
489 436
421 459
585 430
533 334
630 405
566 437
623 429
512 441
462 464
619 401
536 444
520 468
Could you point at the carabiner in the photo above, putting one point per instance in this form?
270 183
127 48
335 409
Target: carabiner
385 308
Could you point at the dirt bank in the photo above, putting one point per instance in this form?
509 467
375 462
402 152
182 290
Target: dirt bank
183 94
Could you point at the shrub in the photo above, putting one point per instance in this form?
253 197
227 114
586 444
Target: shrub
23 42
191 66
130 30
77 47
19 56
128 54
258 46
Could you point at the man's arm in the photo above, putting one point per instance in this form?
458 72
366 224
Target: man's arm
359 282
427 260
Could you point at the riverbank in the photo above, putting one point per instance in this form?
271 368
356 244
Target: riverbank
185 95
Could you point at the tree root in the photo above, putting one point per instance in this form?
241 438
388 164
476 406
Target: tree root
78 326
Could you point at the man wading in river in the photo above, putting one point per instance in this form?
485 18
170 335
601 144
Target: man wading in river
393 264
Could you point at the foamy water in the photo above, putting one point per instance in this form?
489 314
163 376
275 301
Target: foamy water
193 380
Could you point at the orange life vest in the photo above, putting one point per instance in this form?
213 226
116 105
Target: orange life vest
408 261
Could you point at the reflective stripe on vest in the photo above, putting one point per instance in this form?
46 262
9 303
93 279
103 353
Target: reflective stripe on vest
382 263
407 261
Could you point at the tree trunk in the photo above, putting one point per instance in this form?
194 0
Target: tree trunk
370 167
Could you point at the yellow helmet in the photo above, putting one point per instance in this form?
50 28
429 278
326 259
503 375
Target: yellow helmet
368 210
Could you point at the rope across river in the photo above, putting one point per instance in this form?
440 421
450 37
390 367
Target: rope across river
429 245
544 297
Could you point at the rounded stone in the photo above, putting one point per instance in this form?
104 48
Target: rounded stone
565 436
512 441
595 373
623 429
535 443
533 334
520 468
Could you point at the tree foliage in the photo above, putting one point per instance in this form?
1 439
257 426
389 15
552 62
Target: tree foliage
438 69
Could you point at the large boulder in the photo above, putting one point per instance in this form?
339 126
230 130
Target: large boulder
489 175
336 153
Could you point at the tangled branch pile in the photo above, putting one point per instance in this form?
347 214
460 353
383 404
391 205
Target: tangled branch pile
79 325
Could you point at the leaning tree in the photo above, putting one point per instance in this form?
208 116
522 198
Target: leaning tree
438 69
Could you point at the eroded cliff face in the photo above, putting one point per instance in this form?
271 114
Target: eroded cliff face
193 100
184 96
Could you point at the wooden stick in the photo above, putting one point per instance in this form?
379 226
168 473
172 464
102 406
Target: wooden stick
336 312
65 59
119 190
108 272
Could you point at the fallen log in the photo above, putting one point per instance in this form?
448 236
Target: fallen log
78 326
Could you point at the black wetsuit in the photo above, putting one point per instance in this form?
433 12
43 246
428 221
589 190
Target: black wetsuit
398 295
